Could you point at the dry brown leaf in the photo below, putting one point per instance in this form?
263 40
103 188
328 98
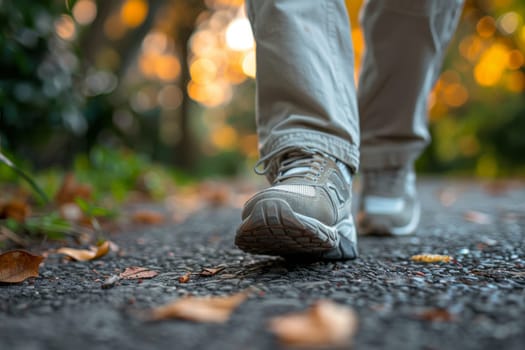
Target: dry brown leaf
436 315
215 193
206 309
18 265
477 217
324 324
86 254
135 272
149 217
185 278
431 258
17 209
211 271
71 189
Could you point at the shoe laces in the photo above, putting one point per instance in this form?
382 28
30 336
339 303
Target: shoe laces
300 163
386 182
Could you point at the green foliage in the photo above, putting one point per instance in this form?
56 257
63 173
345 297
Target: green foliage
48 115
39 104
483 136
50 226
26 177
116 173
94 211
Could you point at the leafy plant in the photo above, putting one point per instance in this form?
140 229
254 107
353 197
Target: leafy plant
25 176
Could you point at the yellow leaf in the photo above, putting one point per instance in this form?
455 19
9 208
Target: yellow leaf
207 309
324 324
86 254
431 258
18 265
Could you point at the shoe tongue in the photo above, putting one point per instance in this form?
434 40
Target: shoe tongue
303 169
296 170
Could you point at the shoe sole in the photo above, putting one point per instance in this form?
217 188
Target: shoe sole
368 228
273 228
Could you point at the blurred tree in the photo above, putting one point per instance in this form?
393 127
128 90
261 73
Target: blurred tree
478 105
40 107
173 79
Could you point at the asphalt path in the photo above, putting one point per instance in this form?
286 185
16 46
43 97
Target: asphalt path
476 301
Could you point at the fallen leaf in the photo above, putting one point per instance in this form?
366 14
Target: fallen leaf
477 217
185 278
135 272
18 265
70 189
211 271
431 258
16 209
215 193
199 309
86 254
148 217
324 324
436 315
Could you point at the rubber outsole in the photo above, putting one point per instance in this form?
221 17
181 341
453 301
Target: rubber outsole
368 226
273 228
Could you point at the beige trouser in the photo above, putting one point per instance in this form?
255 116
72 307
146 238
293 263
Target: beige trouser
306 96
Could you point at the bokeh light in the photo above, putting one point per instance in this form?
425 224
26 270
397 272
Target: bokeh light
248 64
491 66
509 22
65 28
170 97
486 27
134 12
85 11
239 35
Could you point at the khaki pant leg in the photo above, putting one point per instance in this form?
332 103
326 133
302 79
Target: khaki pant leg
306 94
406 41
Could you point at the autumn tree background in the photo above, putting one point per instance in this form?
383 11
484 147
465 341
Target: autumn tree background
173 80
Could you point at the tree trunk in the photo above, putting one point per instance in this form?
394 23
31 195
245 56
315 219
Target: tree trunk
186 151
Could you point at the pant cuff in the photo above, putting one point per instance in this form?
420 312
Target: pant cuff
332 145
389 156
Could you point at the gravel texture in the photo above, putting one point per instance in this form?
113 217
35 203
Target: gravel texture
480 294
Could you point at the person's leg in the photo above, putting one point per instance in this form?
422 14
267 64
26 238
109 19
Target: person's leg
308 129
305 90
406 41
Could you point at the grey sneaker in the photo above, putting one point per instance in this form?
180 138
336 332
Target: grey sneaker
306 211
389 203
